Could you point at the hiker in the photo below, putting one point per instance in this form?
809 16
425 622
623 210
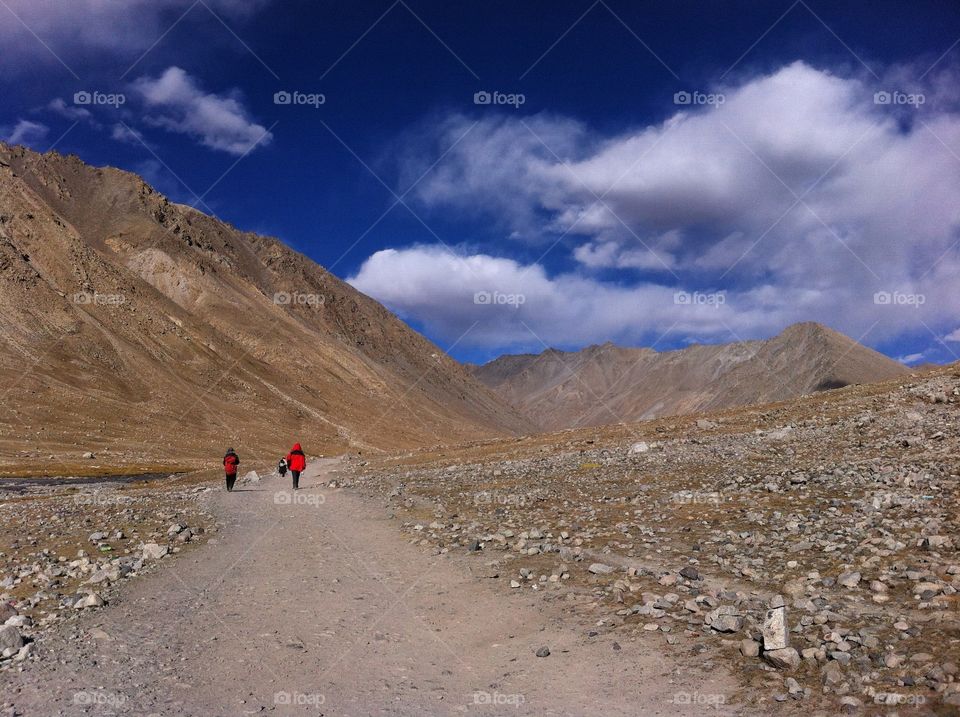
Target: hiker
297 462
230 462
282 467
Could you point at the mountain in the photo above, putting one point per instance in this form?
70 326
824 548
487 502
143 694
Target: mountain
608 384
140 327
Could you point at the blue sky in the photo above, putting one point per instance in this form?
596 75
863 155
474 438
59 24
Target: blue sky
644 172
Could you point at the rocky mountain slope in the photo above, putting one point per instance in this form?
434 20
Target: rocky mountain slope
136 328
608 384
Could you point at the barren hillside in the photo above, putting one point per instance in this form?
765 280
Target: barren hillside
608 384
146 331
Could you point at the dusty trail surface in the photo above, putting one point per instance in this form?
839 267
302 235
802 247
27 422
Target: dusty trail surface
318 606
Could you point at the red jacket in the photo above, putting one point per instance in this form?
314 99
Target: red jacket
230 463
295 458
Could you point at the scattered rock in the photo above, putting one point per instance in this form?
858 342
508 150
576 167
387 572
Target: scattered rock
786 658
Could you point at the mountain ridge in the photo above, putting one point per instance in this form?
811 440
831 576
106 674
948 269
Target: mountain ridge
606 383
121 307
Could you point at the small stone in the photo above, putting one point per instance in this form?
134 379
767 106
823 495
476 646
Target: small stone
785 658
543 652
154 551
600 569
690 573
91 600
749 648
849 704
10 639
849 580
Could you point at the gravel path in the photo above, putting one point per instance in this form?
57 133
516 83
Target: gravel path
320 607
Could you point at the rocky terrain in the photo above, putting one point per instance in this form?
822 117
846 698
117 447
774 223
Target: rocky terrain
609 384
66 548
147 333
814 541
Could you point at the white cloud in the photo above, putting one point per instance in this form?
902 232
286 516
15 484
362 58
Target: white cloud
71 112
911 358
438 288
126 134
219 121
124 26
25 132
710 196
953 336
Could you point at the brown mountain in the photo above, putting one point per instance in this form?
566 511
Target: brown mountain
135 325
608 384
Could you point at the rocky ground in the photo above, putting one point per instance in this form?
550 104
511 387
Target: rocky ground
307 603
66 545
814 542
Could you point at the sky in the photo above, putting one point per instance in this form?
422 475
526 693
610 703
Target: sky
508 177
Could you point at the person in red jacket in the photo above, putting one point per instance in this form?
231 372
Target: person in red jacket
297 462
230 462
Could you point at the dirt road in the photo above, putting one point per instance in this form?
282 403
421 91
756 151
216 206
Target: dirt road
317 605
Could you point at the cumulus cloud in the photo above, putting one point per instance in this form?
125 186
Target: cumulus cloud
219 122
64 28
492 302
953 336
799 193
25 132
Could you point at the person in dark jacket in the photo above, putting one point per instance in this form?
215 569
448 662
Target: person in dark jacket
297 462
282 467
230 462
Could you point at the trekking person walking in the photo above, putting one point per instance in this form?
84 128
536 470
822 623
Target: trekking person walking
230 462
282 467
297 462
